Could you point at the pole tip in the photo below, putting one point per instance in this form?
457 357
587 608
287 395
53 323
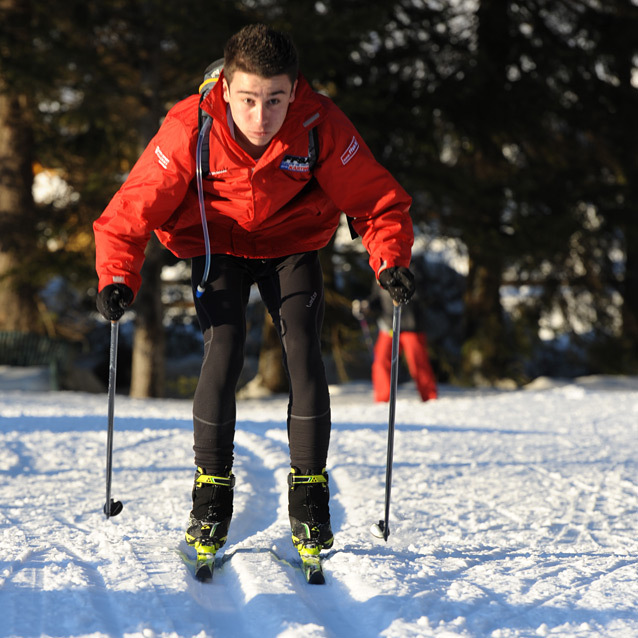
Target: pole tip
379 530
113 508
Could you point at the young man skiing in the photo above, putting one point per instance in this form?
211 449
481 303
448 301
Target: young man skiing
272 196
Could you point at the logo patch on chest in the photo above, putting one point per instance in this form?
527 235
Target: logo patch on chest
295 164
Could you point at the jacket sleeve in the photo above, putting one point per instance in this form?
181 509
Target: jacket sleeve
365 191
154 188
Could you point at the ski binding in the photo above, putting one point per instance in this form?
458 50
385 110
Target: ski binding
311 564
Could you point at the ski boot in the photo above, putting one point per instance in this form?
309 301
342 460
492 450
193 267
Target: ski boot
210 518
308 497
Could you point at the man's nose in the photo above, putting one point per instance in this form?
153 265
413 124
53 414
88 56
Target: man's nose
259 112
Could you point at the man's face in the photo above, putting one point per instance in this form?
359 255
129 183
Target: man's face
258 106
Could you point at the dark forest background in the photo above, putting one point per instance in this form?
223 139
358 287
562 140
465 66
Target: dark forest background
511 123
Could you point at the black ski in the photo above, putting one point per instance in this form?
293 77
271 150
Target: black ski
205 566
202 566
312 568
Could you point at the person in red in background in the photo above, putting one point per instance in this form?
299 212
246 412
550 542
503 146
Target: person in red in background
413 342
283 163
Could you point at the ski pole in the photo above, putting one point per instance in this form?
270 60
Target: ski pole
382 528
111 507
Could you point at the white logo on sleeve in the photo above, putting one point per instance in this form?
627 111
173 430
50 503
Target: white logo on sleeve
350 152
163 160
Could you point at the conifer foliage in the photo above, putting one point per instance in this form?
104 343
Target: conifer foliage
509 121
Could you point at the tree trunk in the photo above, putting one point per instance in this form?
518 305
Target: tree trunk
626 148
148 365
630 288
483 348
18 238
482 354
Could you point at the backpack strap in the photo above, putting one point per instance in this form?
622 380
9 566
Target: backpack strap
211 75
313 147
205 121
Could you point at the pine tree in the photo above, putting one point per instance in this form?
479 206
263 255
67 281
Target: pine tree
18 236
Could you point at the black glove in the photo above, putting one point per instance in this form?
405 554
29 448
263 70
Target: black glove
113 300
399 282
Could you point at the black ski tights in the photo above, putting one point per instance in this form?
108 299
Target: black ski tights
292 289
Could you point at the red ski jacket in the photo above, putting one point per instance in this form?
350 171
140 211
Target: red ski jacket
271 207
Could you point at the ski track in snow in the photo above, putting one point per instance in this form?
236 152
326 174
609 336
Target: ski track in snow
514 514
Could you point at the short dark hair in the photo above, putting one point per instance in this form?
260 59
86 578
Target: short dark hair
261 50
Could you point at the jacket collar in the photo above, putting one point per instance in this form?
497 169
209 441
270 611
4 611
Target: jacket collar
305 112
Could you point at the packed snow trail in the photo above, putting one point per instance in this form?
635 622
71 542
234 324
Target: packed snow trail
513 514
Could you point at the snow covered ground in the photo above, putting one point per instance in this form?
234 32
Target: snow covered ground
514 514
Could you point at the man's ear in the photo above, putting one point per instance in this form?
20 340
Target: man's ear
226 90
293 91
